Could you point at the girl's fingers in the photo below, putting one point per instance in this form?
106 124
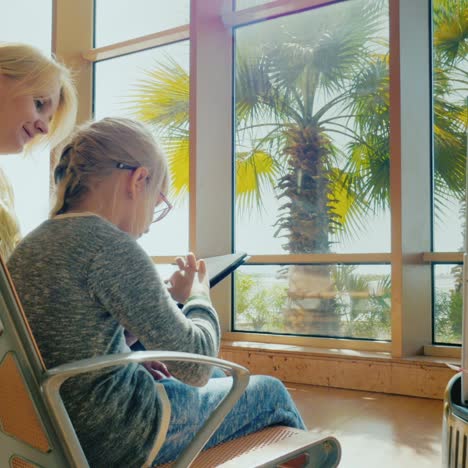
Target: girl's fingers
157 369
201 267
162 368
191 261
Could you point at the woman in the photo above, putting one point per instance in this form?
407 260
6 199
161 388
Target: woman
37 104
83 279
37 98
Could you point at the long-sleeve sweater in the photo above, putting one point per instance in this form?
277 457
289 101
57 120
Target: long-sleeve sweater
9 229
82 281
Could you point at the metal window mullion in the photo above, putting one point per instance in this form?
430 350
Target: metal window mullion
211 141
442 257
72 34
138 44
271 10
350 259
410 149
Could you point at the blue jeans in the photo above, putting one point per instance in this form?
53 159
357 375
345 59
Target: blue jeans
265 402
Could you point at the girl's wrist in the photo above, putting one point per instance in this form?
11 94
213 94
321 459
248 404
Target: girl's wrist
198 296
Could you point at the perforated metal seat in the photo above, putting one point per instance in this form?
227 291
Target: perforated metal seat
271 447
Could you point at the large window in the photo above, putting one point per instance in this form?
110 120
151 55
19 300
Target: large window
121 20
450 81
285 299
448 298
312 164
152 86
28 175
315 147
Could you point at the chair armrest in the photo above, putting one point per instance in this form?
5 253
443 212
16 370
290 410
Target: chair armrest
55 377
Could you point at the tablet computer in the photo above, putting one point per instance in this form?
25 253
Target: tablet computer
223 265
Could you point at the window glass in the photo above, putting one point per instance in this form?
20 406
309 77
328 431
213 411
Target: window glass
450 82
312 131
153 86
29 175
120 20
448 299
322 300
450 108
311 162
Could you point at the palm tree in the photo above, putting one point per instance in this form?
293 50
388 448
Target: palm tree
310 71
312 123
162 100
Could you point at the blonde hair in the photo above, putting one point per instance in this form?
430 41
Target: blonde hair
9 229
36 75
93 152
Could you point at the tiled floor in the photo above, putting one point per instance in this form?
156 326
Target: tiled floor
375 430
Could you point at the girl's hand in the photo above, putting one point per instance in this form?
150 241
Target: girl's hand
157 369
190 279
130 339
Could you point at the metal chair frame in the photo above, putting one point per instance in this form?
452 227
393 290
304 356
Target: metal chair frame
64 450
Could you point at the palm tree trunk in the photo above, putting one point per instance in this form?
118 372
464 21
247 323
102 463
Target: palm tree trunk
306 223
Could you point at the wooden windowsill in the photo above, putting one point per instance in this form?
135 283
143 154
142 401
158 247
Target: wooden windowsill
333 352
373 371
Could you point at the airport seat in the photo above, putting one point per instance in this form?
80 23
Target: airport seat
36 432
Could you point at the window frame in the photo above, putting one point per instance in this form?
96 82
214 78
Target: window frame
211 142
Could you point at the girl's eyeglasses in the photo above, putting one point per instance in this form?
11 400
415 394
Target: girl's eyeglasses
159 213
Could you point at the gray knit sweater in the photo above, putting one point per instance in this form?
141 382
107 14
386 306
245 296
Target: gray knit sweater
81 282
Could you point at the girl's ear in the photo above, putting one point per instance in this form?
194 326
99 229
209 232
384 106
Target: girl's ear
138 181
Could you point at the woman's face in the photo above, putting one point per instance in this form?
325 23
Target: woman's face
23 117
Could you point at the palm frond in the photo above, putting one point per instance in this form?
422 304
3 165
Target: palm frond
349 205
450 31
369 99
347 280
450 124
256 173
253 87
162 98
176 145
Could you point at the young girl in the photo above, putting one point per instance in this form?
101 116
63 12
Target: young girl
83 280
37 103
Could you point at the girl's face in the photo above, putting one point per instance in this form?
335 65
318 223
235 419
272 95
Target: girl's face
23 117
140 201
147 209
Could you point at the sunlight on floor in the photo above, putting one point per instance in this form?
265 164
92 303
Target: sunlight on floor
374 429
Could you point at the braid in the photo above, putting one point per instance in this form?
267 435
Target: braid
62 166
68 180
94 151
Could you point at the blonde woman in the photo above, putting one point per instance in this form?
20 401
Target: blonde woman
83 279
37 104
